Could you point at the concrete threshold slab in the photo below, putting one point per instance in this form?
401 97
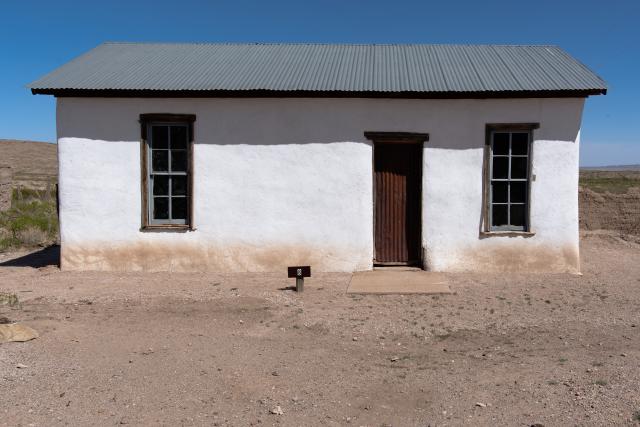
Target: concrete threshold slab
402 281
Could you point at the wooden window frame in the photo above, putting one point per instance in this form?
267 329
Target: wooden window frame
146 120
487 229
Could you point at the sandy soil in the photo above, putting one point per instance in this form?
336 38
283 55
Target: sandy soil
206 349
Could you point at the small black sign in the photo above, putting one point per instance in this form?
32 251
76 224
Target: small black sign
300 271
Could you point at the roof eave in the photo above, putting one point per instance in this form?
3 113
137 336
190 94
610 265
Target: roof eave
262 93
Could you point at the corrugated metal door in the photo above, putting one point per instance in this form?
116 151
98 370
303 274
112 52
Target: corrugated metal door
398 175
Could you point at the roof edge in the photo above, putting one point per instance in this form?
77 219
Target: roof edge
259 43
264 93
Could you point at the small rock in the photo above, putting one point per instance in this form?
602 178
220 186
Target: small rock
241 322
21 366
481 405
355 338
277 411
15 332
395 358
623 354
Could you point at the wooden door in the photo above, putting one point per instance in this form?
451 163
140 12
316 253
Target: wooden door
398 195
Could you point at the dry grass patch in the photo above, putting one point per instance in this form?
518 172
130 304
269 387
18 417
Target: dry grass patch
610 182
31 220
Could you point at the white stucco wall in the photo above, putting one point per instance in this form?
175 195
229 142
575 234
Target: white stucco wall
281 182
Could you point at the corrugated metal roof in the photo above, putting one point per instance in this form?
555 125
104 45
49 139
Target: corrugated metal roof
411 68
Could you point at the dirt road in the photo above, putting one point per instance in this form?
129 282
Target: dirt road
203 349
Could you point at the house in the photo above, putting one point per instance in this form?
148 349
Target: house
254 157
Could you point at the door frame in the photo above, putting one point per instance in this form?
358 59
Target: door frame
378 138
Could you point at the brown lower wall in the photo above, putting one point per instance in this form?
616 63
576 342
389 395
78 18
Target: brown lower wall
160 255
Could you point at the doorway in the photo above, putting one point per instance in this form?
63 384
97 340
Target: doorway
398 201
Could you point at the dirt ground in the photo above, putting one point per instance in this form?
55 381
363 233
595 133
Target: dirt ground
213 349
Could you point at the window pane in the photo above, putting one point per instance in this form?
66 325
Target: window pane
179 208
160 208
499 192
519 143
178 137
159 137
518 192
160 160
500 167
501 143
517 215
519 167
178 185
178 160
160 185
499 215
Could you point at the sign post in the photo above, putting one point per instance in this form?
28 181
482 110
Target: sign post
299 273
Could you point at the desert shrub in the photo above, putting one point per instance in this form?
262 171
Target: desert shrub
9 299
6 239
31 220
22 194
32 236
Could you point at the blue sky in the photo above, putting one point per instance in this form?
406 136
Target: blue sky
37 36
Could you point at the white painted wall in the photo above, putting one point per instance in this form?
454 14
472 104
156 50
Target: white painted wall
289 181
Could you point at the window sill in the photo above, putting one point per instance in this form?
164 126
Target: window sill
507 233
167 227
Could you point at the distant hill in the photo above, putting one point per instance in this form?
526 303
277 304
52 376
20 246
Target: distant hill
612 168
29 163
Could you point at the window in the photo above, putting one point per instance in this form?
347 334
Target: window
166 150
509 153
